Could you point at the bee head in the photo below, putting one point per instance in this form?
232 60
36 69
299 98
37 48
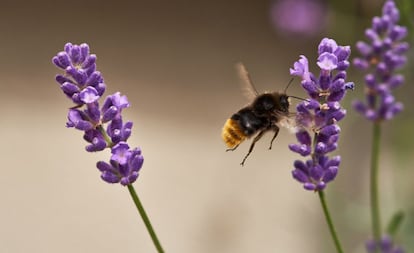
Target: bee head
284 102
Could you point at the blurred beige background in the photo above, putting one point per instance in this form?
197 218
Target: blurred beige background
175 62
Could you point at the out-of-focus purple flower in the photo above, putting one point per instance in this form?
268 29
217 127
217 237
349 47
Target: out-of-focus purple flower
318 115
380 58
301 17
386 245
85 86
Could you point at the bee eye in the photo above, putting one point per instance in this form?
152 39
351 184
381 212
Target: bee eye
284 102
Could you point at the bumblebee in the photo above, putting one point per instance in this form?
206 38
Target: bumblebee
266 113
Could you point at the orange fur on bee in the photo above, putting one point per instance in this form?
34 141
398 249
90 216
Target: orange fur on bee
231 134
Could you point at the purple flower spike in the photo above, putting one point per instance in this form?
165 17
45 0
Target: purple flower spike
318 116
385 245
103 127
380 58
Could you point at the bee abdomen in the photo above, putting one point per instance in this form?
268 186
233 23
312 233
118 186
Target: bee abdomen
231 134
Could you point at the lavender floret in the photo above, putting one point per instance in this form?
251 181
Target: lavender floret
318 115
385 245
380 58
103 127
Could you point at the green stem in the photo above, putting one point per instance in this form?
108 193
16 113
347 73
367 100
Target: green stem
145 218
375 211
330 223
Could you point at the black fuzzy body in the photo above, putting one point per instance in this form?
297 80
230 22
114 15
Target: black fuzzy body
262 114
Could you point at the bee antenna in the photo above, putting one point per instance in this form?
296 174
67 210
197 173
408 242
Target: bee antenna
287 86
303 99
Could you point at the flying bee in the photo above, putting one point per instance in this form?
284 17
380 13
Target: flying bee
266 113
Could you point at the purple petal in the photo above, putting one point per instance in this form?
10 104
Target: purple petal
110 114
94 79
320 186
300 176
395 81
110 177
336 96
327 45
360 63
84 53
76 119
75 54
93 112
334 161
303 150
103 166
98 144
371 35
330 130
304 138
120 153
300 166
136 163
69 88
320 148
343 53
79 75
310 87
309 186
89 95
301 68
327 61
330 174
89 61
126 130
316 172
311 104
401 48
337 85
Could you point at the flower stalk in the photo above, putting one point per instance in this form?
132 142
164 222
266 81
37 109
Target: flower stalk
145 218
331 226
374 194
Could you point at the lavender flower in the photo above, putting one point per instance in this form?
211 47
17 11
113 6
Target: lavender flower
85 86
380 58
301 17
319 115
386 245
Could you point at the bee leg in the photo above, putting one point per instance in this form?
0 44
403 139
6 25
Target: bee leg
232 149
276 130
257 138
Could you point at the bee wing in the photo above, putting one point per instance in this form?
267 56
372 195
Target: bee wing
248 89
288 122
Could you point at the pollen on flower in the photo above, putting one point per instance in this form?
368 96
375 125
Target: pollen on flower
324 93
324 107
